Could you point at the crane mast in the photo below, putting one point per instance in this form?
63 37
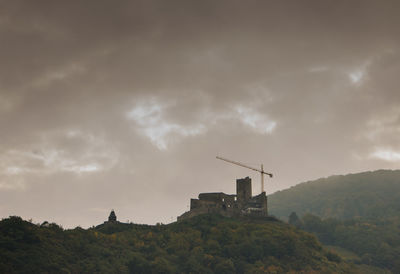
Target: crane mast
262 172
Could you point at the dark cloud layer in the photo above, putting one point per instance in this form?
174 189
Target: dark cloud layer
125 104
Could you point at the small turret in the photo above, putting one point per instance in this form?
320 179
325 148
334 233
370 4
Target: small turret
112 217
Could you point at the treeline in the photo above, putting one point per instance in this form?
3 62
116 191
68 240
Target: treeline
204 244
375 241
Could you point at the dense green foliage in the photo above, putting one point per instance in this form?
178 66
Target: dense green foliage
369 195
357 212
375 242
204 244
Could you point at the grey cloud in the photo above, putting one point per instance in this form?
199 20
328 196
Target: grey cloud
72 71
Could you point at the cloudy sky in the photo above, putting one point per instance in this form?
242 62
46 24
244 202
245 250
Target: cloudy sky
125 104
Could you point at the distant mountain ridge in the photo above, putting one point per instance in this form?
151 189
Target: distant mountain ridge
372 194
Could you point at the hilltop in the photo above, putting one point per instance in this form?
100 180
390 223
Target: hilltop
356 215
202 244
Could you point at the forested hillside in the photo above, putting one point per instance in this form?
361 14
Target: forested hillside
373 194
357 212
375 242
204 244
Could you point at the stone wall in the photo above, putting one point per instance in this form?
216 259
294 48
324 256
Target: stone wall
229 205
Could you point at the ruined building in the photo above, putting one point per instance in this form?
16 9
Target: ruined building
230 205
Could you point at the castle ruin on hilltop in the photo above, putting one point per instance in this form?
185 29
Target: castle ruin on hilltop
230 205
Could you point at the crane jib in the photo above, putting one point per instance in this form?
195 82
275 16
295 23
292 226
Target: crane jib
262 172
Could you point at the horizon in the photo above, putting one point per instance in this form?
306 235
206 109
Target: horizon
128 221
125 105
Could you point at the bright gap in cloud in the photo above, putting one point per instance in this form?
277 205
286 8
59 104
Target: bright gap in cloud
92 155
149 117
51 161
146 114
159 134
255 120
356 76
81 169
387 155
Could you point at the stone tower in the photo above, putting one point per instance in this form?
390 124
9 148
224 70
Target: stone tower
243 191
112 217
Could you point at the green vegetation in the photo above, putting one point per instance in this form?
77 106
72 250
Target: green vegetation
374 242
360 213
368 195
203 244
357 216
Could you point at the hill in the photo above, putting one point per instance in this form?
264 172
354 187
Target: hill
373 194
360 213
203 244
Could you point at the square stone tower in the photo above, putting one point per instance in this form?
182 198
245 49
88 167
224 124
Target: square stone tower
243 191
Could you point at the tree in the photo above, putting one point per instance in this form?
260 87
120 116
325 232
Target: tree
294 220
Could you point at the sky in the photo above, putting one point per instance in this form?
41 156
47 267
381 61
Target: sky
124 105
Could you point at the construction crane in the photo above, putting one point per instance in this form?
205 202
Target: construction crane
262 172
